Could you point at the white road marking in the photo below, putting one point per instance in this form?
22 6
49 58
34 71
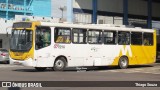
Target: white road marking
147 70
156 73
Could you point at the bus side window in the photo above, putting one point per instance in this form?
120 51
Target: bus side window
43 37
148 39
123 38
95 37
79 36
59 39
136 38
62 35
67 40
109 37
47 38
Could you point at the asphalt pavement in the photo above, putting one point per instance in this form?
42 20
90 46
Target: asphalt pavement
133 73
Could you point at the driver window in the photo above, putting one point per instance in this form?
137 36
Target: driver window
43 37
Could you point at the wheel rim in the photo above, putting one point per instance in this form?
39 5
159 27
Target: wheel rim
123 62
59 64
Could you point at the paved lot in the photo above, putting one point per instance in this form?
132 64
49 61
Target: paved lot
136 73
148 69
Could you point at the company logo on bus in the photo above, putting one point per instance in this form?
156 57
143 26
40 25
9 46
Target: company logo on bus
58 46
126 50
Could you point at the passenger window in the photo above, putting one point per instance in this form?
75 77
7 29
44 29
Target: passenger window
94 37
109 37
79 36
43 37
136 38
62 35
148 39
123 38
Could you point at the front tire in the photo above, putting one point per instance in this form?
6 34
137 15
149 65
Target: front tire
60 64
40 68
123 62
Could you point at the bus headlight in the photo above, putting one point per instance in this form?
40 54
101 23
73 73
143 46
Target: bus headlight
28 56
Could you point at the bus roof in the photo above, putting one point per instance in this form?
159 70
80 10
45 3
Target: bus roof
96 26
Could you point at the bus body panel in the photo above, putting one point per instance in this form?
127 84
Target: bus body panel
84 54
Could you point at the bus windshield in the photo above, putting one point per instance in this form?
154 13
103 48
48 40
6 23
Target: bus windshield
21 40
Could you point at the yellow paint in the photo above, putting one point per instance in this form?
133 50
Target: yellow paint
30 53
140 54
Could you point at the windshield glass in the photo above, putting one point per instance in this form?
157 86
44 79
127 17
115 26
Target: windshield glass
21 40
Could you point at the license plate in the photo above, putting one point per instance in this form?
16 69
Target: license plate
17 63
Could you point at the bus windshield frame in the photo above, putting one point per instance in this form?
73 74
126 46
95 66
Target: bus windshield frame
21 40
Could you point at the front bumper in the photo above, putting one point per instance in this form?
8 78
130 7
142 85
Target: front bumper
29 62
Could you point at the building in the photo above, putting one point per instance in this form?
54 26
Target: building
127 12
10 8
139 13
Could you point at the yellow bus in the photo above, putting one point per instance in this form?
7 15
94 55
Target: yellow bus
60 45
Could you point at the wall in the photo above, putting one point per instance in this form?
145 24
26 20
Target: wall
83 4
36 18
41 8
15 7
103 5
5 41
155 9
17 2
136 7
110 5
5 26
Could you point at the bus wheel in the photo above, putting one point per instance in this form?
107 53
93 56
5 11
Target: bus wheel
40 68
123 62
60 64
